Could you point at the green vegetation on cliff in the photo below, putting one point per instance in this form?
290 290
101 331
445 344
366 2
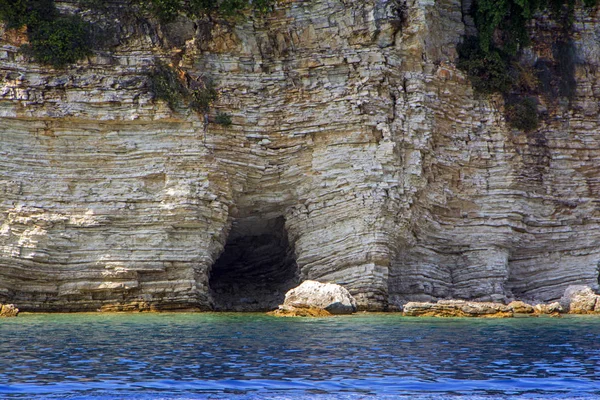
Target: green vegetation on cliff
168 10
492 58
165 85
54 39
178 89
58 40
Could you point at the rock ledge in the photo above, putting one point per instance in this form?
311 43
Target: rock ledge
462 308
457 308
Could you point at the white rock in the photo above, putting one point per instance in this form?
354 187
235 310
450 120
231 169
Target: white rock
331 297
579 299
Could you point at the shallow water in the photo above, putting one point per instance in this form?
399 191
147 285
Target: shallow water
155 356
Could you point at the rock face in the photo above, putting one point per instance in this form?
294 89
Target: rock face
312 295
8 310
358 154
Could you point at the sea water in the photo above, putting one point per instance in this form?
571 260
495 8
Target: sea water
207 355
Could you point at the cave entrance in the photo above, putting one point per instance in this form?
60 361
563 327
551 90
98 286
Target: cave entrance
256 269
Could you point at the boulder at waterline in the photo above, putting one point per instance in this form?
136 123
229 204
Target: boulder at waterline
579 299
313 295
8 310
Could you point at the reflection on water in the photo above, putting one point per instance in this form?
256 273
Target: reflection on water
255 356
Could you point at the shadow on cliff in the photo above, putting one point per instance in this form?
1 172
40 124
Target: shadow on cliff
255 270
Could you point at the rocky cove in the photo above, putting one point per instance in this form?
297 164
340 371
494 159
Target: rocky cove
357 153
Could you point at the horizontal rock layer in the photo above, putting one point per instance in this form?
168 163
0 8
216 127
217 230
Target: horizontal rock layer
462 308
353 133
457 308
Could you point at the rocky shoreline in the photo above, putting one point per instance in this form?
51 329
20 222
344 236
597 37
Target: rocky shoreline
315 299
461 308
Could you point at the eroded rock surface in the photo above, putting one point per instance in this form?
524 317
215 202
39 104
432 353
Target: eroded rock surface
311 295
520 307
8 310
580 300
299 312
553 309
457 308
353 132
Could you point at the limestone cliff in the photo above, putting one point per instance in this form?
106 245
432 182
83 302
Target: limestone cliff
358 154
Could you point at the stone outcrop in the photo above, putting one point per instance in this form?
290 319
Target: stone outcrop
358 154
580 300
8 310
461 308
520 307
457 308
311 297
553 309
300 312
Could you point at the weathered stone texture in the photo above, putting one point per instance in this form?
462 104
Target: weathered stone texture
351 124
520 307
8 310
335 299
580 300
457 308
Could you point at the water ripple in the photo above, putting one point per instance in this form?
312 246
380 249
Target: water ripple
254 356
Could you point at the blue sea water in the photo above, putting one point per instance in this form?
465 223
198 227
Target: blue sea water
254 356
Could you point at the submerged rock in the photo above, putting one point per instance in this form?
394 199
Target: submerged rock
457 308
314 298
8 310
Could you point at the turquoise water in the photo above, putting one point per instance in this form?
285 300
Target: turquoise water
186 356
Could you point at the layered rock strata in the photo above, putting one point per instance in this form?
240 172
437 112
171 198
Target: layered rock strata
457 308
358 154
481 309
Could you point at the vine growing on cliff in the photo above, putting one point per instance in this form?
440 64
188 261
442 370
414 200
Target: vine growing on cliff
176 88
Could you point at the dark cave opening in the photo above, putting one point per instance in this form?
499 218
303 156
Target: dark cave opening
256 269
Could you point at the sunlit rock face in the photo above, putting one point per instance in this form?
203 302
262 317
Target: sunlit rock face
358 155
